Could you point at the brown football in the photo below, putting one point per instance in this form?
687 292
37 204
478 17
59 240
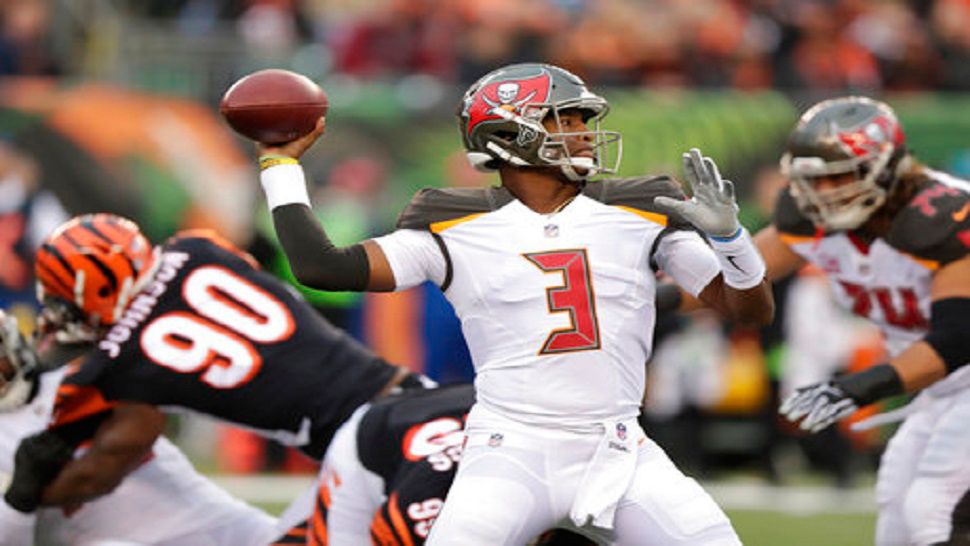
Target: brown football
273 106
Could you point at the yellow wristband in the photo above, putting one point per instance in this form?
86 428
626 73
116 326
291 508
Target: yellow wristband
268 161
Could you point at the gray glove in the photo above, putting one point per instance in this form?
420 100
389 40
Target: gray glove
713 208
820 404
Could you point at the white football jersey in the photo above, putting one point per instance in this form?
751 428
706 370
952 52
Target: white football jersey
888 280
557 309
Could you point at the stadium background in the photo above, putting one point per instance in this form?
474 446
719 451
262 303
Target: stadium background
113 104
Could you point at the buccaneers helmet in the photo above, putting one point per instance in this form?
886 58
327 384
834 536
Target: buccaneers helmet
89 268
501 121
854 135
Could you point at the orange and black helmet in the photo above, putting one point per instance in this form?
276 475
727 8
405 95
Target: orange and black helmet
94 262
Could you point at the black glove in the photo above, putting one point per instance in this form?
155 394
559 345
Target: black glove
38 461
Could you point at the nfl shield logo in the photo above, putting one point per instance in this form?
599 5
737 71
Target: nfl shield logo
495 439
621 431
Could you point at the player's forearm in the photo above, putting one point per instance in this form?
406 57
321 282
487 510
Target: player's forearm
752 306
314 259
85 479
918 367
746 295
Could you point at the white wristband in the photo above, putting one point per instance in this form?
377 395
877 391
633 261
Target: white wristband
284 185
741 264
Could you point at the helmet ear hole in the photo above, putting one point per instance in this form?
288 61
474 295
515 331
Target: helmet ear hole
104 292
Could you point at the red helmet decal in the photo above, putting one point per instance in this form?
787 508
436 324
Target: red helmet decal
870 137
508 95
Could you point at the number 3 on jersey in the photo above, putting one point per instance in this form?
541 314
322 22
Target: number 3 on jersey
574 296
231 313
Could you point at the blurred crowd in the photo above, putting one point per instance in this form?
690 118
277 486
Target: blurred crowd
860 45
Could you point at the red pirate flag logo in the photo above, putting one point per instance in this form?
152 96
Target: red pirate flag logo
496 100
872 136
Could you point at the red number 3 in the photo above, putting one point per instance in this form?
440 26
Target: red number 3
574 296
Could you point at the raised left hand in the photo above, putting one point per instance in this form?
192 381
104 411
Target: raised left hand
713 208
818 406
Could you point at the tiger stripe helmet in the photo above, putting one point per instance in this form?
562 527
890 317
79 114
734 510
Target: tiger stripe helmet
94 262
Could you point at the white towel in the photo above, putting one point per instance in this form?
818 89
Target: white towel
608 475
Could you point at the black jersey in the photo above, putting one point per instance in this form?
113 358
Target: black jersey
213 334
413 442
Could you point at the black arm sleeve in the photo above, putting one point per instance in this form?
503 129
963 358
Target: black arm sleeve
948 332
315 261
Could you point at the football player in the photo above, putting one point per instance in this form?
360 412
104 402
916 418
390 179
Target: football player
190 324
893 237
553 278
387 471
185 507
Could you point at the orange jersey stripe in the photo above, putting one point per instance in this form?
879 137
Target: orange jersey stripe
318 530
381 532
790 239
74 403
654 217
219 241
400 525
438 227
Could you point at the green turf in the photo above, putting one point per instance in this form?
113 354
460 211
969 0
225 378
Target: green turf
759 528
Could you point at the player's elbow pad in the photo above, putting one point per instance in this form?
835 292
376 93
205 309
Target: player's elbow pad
948 333
314 260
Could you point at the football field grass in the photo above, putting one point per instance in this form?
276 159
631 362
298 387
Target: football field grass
765 528
763 516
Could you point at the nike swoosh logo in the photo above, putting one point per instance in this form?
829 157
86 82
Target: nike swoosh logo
732 262
961 214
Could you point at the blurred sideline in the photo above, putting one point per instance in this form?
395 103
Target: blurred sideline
795 500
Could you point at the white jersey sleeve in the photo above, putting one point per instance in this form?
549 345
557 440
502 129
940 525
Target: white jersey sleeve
414 257
688 260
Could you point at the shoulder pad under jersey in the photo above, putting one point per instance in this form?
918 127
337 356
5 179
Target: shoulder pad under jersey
638 193
208 236
934 225
788 219
432 205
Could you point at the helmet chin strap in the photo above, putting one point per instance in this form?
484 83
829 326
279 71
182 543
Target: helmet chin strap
585 163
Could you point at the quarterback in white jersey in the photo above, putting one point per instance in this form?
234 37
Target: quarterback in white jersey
163 502
893 238
553 278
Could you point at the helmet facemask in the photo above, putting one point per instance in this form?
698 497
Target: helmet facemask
847 206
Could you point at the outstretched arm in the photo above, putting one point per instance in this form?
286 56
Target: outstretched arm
316 262
740 291
944 349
